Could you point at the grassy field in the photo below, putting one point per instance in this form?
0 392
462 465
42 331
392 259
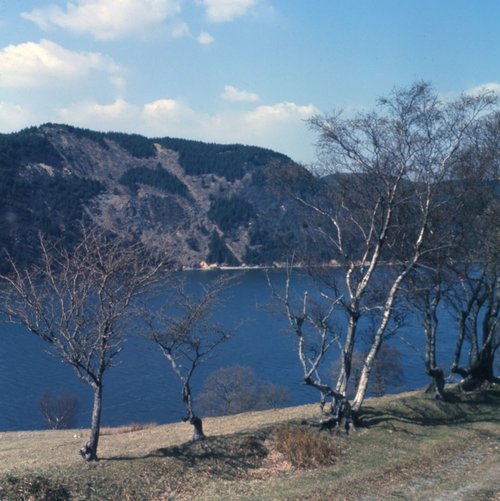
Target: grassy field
408 447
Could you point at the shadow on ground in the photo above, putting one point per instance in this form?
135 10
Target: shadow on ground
458 408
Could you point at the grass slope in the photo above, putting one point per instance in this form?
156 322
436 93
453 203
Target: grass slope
409 446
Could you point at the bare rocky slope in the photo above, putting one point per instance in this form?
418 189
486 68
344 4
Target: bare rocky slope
209 204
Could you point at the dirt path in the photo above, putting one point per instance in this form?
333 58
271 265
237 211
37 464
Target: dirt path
474 475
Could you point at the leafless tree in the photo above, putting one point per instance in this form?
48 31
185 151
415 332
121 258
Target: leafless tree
311 321
387 169
231 390
475 296
187 333
59 412
80 302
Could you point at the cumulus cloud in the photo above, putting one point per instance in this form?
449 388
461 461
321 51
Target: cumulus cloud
105 19
487 87
280 126
205 38
219 11
271 114
231 93
33 64
100 116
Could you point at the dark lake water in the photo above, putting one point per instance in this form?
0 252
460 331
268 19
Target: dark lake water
143 389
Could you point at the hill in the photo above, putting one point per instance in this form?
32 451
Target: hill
408 446
208 203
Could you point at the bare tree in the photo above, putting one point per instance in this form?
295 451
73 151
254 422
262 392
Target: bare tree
187 334
311 321
388 167
231 390
426 289
80 301
59 412
476 302
387 371
475 296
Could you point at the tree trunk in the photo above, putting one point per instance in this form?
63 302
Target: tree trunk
436 373
89 450
191 417
198 428
437 384
346 354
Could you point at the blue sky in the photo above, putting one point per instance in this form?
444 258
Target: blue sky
247 71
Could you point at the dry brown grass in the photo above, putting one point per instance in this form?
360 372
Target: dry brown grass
305 447
408 446
129 428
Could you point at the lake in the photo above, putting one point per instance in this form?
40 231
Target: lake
142 388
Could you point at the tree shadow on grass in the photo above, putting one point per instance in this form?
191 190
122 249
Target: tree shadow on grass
457 408
225 456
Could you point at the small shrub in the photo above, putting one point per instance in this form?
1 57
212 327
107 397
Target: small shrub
306 448
231 390
61 412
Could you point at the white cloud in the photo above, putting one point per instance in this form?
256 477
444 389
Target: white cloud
33 64
100 116
487 87
231 93
219 11
180 30
105 19
280 126
14 117
281 112
205 38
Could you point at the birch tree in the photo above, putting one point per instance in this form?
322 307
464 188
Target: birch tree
386 169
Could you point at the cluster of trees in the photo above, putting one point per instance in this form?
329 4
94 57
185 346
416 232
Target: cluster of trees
411 210
218 251
86 301
230 213
413 214
229 161
158 178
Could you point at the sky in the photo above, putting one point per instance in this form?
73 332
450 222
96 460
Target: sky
233 71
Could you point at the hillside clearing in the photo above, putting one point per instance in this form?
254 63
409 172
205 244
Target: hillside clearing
409 446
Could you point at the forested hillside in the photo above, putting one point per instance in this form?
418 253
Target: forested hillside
208 203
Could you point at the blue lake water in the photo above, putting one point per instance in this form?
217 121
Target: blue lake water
143 389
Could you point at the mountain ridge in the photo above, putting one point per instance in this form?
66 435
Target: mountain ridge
209 204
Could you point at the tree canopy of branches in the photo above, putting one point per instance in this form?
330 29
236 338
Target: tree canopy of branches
386 173
187 334
80 302
232 390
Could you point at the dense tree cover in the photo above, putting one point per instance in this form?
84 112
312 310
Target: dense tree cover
230 161
26 146
275 243
219 253
158 178
97 137
230 213
138 146
32 201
